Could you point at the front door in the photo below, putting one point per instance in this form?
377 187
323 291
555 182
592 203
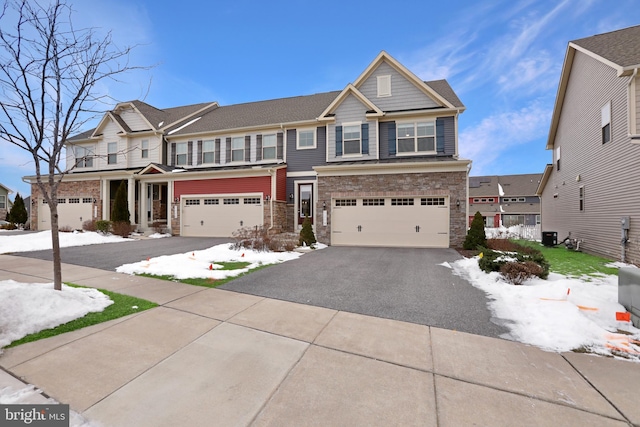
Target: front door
305 202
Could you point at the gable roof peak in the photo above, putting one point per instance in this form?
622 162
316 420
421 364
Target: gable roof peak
619 48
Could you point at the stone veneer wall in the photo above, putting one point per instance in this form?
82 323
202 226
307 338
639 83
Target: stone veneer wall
452 184
3 211
67 189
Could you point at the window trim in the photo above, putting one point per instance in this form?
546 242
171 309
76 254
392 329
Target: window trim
237 138
306 147
144 151
185 154
86 159
274 146
344 139
416 137
605 122
212 151
112 153
3 201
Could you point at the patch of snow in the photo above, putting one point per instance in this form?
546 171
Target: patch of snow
159 235
619 264
42 241
445 264
26 308
189 123
500 190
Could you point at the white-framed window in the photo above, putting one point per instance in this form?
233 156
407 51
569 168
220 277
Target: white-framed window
605 116
306 138
269 146
208 151
351 143
417 137
558 158
84 157
237 149
3 202
112 153
384 86
581 198
144 147
181 153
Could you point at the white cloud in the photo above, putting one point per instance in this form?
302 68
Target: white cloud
486 141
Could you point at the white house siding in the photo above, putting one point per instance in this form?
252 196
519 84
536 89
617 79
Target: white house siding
134 157
608 172
637 102
404 93
351 110
134 120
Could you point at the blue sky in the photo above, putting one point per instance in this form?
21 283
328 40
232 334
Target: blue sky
502 57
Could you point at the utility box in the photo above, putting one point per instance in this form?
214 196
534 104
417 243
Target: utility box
629 292
550 238
624 221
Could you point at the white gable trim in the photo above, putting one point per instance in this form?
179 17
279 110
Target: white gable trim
108 116
350 90
385 57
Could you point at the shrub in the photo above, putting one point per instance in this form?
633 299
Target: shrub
10 226
284 242
494 260
89 225
518 272
256 238
475 236
18 213
65 229
306 234
120 210
103 226
121 228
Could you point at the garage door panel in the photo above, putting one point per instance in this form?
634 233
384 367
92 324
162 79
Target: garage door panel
409 222
220 216
72 212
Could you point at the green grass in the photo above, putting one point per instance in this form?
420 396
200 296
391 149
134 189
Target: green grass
122 306
572 263
212 283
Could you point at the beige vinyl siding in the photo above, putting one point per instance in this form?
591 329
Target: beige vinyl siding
134 156
404 94
351 110
134 120
608 171
637 104
110 134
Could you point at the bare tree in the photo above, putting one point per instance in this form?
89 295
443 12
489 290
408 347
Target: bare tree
48 76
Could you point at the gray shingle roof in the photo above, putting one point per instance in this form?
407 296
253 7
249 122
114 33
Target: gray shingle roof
622 47
272 112
166 116
443 88
512 185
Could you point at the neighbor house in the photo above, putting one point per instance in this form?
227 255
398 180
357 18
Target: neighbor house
375 164
590 191
5 203
505 200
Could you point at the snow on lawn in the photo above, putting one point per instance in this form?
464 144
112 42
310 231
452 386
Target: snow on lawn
202 264
42 240
559 314
26 308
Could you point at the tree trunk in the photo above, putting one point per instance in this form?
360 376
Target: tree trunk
55 240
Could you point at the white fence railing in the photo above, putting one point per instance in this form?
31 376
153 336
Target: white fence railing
527 232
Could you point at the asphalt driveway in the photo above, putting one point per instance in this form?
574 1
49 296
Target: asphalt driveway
395 283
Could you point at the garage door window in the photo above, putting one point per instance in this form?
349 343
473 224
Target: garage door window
211 201
61 201
231 201
402 202
74 200
372 202
346 202
432 201
87 200
192 202
252 200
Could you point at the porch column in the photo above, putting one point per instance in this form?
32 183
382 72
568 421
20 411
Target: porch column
106 214
144 194
131 197
169 204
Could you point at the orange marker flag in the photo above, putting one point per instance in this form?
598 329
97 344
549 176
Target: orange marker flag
210 266
568 291
623 316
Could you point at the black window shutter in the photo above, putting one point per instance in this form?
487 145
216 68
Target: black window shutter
190 153
365 138
199 159
338 141
392 138
440 135
217 153
258 148
172 162
228 149
280 145
247 148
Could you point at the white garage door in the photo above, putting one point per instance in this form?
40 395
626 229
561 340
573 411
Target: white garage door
72 212
220 216
391 221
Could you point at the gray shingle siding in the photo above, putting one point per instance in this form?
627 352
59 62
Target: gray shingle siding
305 160
351 110
606 171
404 94
449 138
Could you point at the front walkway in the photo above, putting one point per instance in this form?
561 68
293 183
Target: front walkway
215 357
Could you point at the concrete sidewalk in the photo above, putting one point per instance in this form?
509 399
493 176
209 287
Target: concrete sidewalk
213 357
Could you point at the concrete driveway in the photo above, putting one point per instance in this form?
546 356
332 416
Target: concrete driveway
395 283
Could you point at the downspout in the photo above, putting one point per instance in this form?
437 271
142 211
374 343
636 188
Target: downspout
273 174
630 102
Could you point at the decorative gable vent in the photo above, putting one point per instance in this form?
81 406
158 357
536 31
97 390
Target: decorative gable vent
384 86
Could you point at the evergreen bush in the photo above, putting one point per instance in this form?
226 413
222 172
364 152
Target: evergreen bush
306 234
103 226
18 213
120 210
475 236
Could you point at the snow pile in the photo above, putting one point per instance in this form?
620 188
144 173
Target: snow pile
559 314
202 264
26 308
42 240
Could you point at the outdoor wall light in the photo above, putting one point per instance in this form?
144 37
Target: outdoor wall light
267 198
176 199
291 196
458 203
324 205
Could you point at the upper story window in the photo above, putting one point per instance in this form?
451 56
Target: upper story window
237 149
3 202
384 86
605 114
416 137
484 200
269 146
581 198
352 139
514 199
181 153
144 146
112 153
558 158
306 139
208 151
84 157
